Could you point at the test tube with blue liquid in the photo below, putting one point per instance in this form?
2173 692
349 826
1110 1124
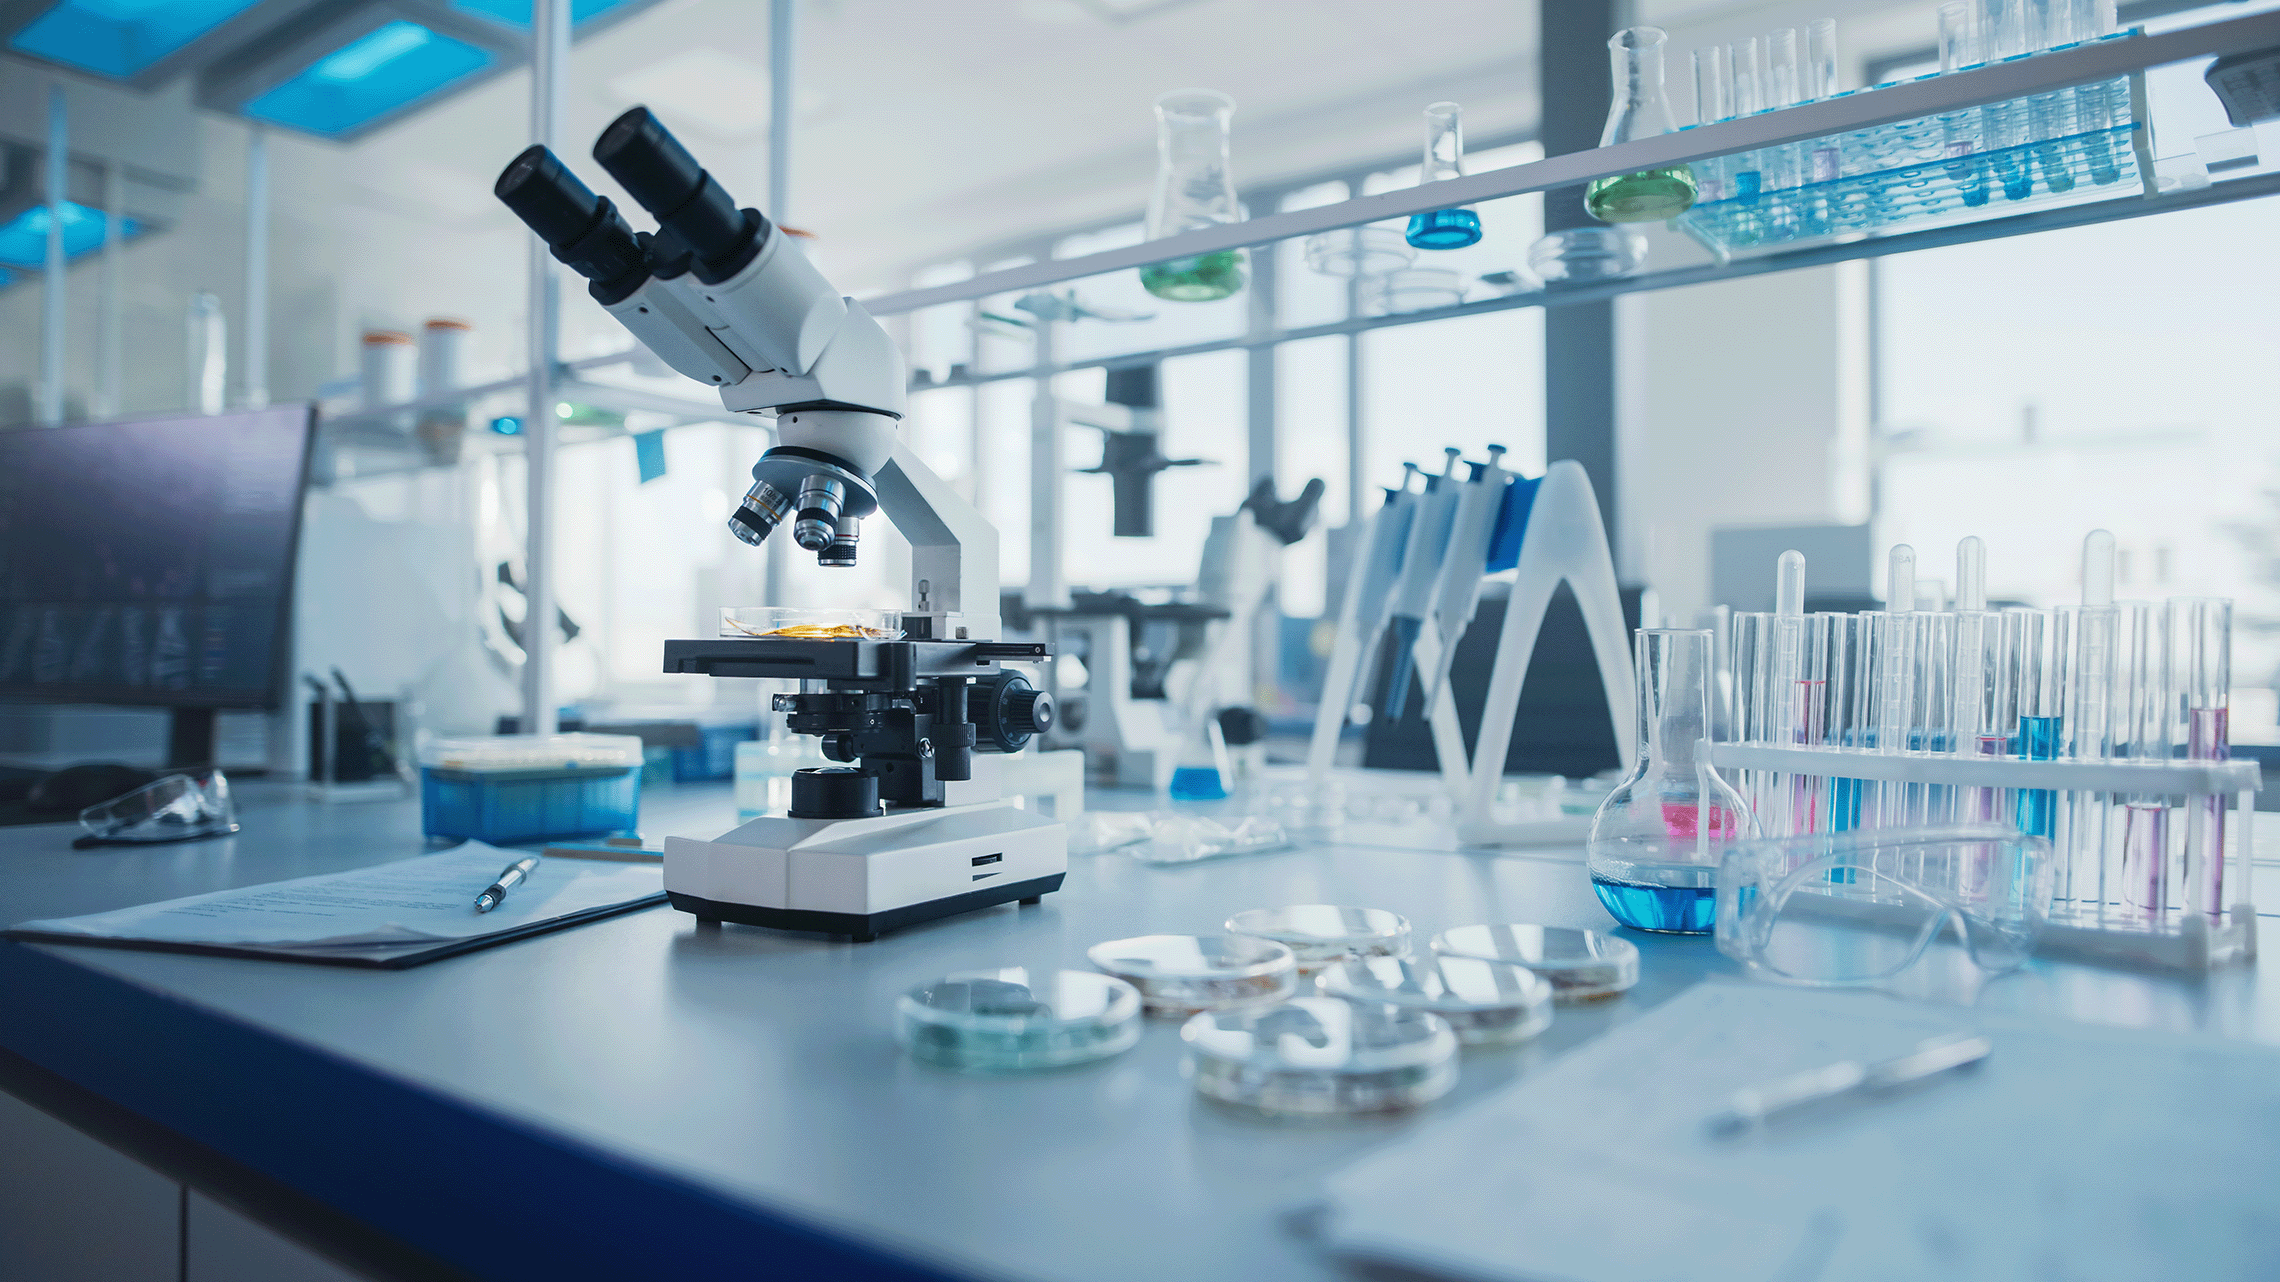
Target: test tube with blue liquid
2005 125
1444 159
2095 105
1960 131
2045 647
1745 59
2051 116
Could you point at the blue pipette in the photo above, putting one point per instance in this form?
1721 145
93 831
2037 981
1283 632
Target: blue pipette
1456 592
1420 567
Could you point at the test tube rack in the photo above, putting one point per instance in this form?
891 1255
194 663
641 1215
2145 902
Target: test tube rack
2087 142
2088 921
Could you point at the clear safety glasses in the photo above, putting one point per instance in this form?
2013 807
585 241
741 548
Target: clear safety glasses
1858 908
181 807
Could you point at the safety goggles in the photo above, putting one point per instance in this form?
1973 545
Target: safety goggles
1858 908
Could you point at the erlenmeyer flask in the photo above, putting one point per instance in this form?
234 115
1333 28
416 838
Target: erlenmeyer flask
1193 190
1656 842
1444 158
1639 111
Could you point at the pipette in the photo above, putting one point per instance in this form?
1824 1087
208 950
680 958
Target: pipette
1456 593
1420 566
1376 562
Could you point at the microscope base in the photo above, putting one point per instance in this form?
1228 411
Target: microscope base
859 877
864 927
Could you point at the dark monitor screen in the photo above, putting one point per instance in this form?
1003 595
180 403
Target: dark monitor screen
151 561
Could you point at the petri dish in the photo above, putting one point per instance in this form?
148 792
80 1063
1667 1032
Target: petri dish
1320 935
1487 1003
792 622
1321 1057
1017 1020
1183 974
1582 965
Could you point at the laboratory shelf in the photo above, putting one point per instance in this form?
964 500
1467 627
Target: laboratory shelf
2052 218
2095 62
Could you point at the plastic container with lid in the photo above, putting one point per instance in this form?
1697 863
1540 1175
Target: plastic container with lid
1018 1021
518 788
1487 1003
1183 974
1582 965
1321 1057
1324 934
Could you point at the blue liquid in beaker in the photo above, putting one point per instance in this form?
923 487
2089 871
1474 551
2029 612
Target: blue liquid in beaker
1444 229
1670 910
1197 783
2038 807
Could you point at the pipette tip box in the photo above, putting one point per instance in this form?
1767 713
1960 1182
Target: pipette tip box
520 788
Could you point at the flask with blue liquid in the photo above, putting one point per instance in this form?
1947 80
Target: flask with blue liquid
1657 840
1444 159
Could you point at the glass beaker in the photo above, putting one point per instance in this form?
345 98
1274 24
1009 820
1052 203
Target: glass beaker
1444 158
1193 190
1657 840
1639 111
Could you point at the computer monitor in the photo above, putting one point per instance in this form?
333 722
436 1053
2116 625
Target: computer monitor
150 562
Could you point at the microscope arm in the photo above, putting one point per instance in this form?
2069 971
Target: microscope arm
953 548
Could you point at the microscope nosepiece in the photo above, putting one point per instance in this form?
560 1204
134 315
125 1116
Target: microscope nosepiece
820 505
763 509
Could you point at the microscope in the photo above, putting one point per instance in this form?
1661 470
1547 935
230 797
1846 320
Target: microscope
913 826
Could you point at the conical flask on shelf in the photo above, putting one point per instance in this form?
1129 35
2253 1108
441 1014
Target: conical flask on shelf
1640 110
1193 190
1444 159
1656 842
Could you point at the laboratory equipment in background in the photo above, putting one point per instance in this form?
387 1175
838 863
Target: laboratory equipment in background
2082 143
1364 253
1194 189
726 300
1640 110
1444 159
151 563
387 372
206 355
442 368
2098 728
1131 448
506 789
1587 253
1657 840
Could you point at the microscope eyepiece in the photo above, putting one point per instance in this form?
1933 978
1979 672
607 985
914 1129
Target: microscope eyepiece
583 229
656 170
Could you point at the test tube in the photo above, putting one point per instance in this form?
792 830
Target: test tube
1960 130
2051 116
2089 724
1713 101
1844 728
1786 662
2201 658
2146 728
1753 705
1896 717
1820 688
1746 60
1820 82
2046 652
1871 638
2003 34
2095 105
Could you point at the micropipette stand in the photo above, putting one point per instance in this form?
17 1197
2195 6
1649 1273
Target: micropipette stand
1564 541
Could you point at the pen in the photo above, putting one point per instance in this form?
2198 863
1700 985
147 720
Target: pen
1757 1105
509 878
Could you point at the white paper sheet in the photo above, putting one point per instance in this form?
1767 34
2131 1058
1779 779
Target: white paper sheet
412 901
2075 1151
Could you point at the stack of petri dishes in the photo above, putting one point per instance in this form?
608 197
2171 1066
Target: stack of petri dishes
1320 1057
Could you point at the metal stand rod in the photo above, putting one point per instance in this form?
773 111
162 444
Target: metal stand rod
110 361
256 390
52 296
550 54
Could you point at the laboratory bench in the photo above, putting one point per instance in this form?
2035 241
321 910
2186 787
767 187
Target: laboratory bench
645 1096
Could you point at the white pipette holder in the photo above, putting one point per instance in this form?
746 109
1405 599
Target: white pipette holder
1565 541
2095 929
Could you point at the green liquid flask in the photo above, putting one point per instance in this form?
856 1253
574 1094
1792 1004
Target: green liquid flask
1193 190
1639 111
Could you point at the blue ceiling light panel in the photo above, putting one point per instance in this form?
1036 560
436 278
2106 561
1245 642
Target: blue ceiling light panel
516 13
23 241
387 69
121 38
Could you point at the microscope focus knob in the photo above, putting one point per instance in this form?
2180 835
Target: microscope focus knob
1007 712
1028 712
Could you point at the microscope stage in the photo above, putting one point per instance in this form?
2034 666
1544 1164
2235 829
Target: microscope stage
842 658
